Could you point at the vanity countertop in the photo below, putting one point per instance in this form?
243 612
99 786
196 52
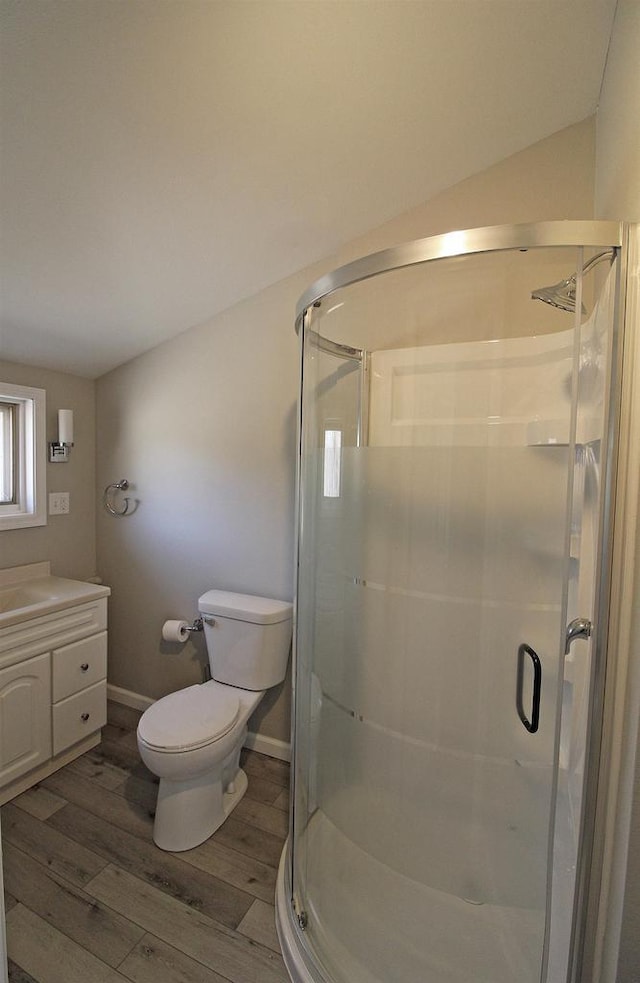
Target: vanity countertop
30 591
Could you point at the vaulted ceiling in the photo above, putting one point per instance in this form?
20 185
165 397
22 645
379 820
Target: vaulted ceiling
163 159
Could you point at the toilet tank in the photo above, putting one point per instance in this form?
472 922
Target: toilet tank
248 638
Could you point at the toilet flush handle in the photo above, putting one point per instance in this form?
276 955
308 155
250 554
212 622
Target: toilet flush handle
209 621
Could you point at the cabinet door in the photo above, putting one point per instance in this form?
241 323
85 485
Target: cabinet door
25 717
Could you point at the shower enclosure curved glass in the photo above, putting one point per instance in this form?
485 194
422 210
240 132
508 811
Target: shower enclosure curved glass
455 468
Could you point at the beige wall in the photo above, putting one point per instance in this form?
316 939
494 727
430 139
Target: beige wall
68 541
618 196
617 193
204 428
552 179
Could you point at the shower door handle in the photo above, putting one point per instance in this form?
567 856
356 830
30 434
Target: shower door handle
530 724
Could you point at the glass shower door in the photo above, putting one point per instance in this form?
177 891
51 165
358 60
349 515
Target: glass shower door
437 545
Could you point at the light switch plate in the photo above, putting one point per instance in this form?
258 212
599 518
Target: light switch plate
58 503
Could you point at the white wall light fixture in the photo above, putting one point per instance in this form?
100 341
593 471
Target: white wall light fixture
59 449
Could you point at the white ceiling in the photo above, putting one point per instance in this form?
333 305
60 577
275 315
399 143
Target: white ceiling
163 159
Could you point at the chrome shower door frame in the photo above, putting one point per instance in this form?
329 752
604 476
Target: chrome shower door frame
588 234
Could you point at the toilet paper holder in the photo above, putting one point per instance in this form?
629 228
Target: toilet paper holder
196 626
179 631
199 623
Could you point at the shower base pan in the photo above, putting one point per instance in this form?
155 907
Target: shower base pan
405 932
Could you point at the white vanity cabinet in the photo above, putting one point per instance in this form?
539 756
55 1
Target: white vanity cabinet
53 688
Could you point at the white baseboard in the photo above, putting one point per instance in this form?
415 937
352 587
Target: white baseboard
268 745
127 698
255 742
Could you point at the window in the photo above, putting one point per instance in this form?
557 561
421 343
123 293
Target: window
8 489
22 457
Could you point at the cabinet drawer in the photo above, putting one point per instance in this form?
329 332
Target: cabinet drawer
79 715
79 665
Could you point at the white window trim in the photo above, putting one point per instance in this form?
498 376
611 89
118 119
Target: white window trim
30 509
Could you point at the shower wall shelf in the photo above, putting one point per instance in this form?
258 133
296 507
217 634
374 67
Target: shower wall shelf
554 433
547 433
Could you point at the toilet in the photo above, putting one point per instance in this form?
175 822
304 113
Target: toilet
192 739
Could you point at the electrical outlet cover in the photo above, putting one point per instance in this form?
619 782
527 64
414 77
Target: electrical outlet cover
58 503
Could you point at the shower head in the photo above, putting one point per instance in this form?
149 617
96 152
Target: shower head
563 294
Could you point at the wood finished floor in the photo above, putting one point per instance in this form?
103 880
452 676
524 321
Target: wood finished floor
90 898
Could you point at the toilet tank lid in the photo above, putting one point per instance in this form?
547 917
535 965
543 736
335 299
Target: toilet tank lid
245 607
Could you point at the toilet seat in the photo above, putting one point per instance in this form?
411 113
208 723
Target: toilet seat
190 718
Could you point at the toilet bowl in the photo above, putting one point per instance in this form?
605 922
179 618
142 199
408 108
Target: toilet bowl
192 742
192 739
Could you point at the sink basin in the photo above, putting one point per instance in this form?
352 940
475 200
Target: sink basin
31 597
13 598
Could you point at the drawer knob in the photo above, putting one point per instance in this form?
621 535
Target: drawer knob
84 716
84 666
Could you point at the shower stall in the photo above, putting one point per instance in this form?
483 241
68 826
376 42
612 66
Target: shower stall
457 446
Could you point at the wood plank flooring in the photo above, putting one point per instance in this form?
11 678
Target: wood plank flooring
90 899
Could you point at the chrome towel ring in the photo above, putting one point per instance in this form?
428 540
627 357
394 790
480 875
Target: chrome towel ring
121 485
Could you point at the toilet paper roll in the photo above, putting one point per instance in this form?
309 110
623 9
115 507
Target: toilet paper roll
175 631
